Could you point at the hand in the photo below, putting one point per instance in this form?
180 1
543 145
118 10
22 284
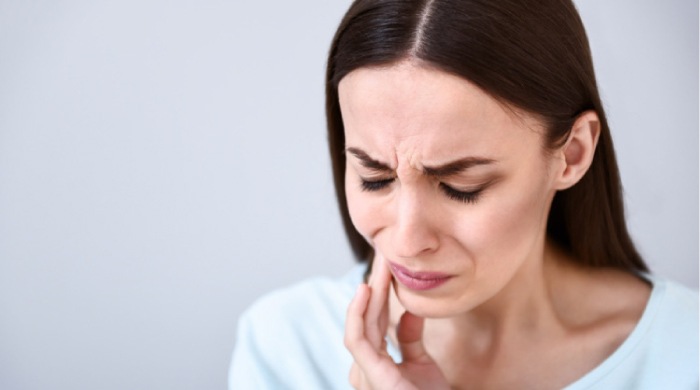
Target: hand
365 337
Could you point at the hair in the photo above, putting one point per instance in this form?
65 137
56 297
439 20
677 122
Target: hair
531 55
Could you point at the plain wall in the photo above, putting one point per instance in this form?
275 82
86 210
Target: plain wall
163 163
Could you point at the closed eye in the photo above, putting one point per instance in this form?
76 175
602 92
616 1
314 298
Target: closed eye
375 185
452 193
462 196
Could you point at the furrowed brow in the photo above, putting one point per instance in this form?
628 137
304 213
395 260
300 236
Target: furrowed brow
455 167
367 161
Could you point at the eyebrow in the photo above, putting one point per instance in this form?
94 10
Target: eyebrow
444 170
367 161
457 166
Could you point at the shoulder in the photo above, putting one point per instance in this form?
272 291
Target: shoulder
676 297
314 299
665 341
306 321
662 349
675 325
317 295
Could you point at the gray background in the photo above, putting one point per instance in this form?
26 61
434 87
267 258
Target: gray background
164 163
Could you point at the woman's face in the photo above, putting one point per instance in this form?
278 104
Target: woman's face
451 187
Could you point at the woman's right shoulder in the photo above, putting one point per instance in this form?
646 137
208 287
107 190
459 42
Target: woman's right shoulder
314 295
306 321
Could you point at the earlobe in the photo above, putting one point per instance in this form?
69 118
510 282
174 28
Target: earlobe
579 149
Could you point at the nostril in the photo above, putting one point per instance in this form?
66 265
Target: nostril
410 241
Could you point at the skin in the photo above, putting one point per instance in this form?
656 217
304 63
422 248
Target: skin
514 305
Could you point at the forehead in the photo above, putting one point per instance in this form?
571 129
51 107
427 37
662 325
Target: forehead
409 105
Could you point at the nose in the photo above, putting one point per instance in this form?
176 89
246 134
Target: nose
413 232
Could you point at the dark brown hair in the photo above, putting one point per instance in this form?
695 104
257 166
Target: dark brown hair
532 55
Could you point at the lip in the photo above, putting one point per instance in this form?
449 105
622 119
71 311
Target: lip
418 281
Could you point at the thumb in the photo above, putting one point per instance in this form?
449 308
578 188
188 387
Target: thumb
410 337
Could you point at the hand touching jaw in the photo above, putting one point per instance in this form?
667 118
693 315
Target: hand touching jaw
366 326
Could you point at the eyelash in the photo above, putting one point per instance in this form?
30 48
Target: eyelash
461 196
375 185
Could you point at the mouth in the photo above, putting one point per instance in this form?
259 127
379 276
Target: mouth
418 281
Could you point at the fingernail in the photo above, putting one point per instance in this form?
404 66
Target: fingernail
357 290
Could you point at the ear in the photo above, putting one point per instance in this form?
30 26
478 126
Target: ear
577 153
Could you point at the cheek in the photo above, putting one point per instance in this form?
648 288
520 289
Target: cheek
505 228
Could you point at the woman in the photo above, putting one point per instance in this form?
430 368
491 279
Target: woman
475 171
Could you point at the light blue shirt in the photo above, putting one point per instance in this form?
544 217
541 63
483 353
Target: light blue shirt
293 339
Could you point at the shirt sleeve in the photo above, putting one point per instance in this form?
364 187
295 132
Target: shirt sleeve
249 369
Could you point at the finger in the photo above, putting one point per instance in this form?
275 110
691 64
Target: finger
410 337
370 361
380 271
356 328
356 341
376 316
358 379
372 371
354 319
355 376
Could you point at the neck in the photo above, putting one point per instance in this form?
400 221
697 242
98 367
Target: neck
526 302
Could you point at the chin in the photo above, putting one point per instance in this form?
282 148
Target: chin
426 306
